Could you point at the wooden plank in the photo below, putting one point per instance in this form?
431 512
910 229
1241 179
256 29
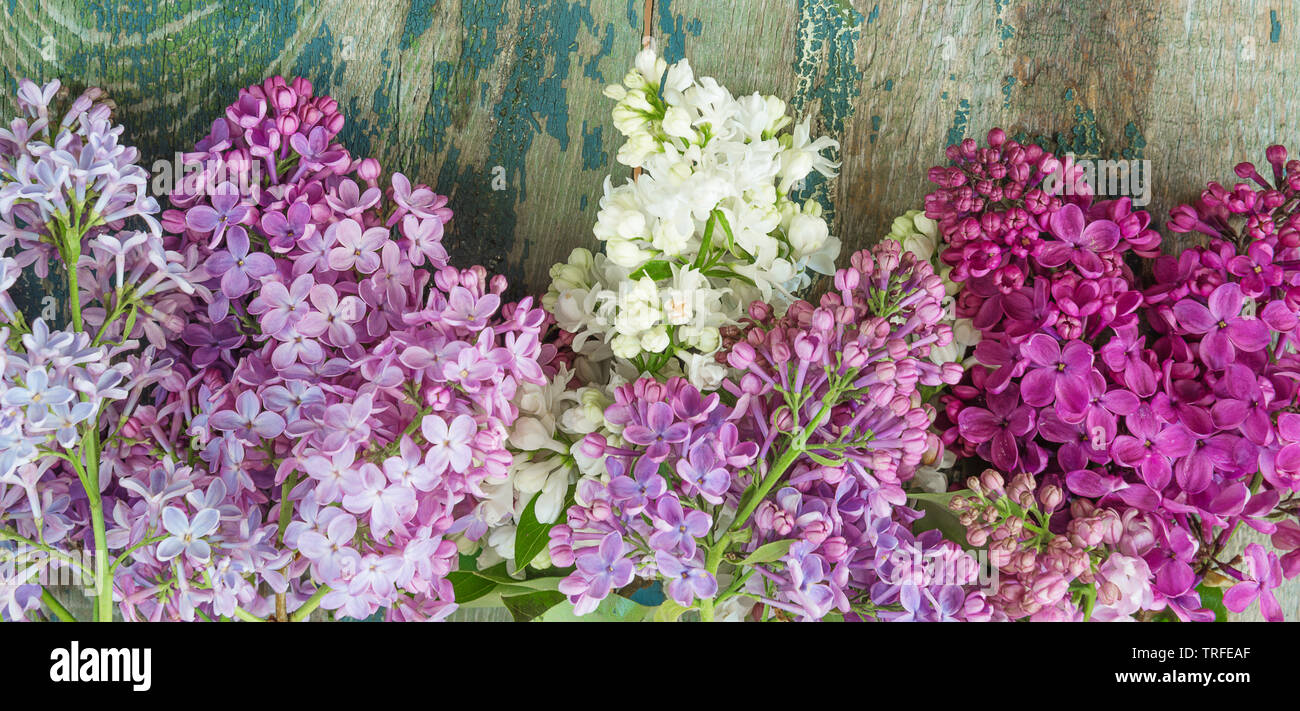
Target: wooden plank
453 93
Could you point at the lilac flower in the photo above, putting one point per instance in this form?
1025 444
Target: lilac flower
686 582
330 473
426 240
1221 325
1056 372
226 210
675 530
284 231
187 534
295 346
315 149
636 494
469 370
211 343
600 569
449 445
388 505
279 307
704 473
36 394
420 202
807 587
235 265
247 421
999 426
1081 241
1151 446
658 432
467 311
1264 573
356 249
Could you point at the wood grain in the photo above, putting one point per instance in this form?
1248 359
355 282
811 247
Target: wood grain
456 93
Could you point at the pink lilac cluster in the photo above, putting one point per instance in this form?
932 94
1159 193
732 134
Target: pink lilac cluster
349 391
668 481
838 385
71 191
1226 317
1093 568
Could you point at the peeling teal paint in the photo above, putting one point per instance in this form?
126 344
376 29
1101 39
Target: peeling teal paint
889 85
875 128
591 65
633 14
594 157
1005 31
826 68
875 13
419 18
582 203
673 28
1136 142
1008 84
1084 138
960 120
1274 27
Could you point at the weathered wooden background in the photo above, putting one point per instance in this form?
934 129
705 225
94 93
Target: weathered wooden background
498 102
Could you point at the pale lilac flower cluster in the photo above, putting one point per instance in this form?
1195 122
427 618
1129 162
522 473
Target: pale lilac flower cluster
350 390
832 395
71 396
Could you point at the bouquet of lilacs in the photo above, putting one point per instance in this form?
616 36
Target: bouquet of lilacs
74 396
1129 426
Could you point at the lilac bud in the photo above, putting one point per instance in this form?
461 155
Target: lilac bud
992 481
593 445
1051 496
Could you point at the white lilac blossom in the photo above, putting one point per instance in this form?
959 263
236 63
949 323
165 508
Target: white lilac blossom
707 226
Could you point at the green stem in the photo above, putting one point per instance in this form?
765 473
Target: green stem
147 540
286 506
798 446
310 606
56 607
247 616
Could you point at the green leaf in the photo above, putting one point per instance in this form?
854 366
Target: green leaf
768 553
525 608
1212 599
937 516
726 227
614 608
706 242
669 611
823 460
469 586
657 270
531 536
940 498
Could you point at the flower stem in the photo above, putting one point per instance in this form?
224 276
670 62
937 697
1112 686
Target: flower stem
797 447
310 606
56 607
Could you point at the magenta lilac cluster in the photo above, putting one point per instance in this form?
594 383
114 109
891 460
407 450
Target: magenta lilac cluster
1157 406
